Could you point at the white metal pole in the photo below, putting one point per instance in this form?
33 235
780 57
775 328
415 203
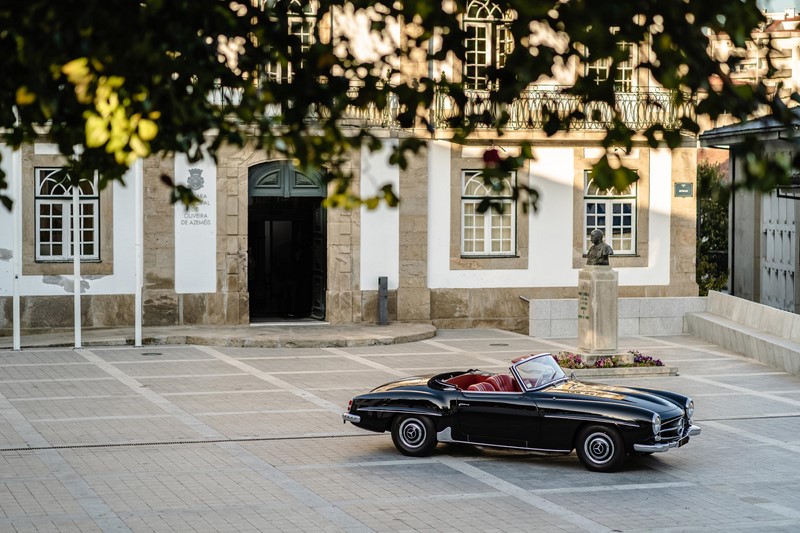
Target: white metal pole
16 246
76 262
138 181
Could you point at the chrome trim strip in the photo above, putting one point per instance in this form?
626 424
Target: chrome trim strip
465 391
348 417
402 410
446 435
594 419
664 446
514 447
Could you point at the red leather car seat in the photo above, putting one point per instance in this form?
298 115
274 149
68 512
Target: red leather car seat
502 382
484 386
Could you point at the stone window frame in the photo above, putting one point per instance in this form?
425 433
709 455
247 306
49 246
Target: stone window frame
488 36
474 198
639 161
519 261
30 266
610 198
301 26
60 195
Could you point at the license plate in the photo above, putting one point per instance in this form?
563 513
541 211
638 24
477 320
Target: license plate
683 441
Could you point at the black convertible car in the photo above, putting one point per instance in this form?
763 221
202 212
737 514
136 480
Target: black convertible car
536 407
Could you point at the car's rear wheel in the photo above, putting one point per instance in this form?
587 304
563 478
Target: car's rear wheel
600 448
414 435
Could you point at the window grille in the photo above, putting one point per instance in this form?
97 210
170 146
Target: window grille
613 212
53 205
488 42
490 233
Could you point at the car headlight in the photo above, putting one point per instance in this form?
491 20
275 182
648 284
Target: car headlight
657 426
689 409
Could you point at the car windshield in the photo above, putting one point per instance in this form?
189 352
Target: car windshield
538 371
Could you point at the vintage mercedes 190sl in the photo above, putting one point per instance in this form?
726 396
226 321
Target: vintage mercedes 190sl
536 407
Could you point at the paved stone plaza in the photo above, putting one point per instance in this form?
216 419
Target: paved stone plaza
198 438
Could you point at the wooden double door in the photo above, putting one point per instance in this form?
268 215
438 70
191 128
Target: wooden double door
287 253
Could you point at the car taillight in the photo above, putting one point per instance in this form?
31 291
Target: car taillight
349 405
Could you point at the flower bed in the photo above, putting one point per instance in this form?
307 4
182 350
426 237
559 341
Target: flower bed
573 361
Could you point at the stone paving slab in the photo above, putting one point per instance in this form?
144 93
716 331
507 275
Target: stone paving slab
221 438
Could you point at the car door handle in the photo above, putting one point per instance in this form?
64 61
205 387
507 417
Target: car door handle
464 404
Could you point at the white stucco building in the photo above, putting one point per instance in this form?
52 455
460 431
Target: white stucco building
260 247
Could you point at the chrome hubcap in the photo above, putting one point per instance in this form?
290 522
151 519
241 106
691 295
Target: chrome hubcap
412 433
599 448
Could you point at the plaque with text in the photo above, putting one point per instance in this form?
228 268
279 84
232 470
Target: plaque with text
196 228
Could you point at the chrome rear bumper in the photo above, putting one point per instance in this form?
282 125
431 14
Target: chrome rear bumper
665 446
348 417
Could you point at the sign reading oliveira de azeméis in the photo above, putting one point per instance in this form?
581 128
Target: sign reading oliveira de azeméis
196 228
197 214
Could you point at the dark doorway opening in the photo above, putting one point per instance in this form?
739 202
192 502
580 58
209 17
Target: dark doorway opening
286 258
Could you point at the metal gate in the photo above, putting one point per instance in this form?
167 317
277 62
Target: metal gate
778 252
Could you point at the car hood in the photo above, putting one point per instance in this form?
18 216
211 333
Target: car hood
577 390
405 383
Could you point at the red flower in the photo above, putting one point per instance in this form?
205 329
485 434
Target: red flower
491 157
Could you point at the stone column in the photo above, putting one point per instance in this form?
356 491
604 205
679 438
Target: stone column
598 315
413 294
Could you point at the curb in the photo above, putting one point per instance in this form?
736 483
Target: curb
296 338
623 372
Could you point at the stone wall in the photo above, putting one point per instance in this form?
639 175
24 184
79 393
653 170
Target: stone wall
479 308
42 314
162 306
637 316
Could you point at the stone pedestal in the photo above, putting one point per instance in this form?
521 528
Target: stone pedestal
598 315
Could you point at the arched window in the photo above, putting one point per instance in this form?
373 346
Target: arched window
613 212
488 41
491 232
54 218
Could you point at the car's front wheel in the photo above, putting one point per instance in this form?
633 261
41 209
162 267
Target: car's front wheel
414 435
600 448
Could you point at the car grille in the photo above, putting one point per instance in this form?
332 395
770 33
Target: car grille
673 429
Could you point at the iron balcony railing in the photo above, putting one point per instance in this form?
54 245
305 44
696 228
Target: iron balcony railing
638 110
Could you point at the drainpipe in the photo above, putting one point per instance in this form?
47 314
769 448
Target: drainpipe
76 262
138 235
432 112
732 224
16 246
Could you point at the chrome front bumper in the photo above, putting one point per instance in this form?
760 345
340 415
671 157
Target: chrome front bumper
348 417
664 446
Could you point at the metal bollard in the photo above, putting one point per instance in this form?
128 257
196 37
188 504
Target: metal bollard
383 300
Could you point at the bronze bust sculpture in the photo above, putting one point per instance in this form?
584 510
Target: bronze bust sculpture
599 252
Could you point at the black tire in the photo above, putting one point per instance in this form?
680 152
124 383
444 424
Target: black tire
414 435
600 448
